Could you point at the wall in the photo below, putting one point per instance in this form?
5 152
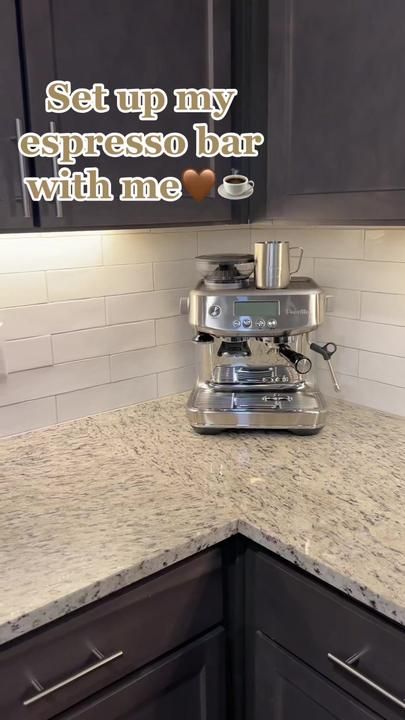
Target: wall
91 319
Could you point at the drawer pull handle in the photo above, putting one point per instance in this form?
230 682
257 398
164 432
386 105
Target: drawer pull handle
58 204
345 665
26 201
72 678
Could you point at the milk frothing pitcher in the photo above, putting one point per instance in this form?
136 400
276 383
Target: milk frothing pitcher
272 264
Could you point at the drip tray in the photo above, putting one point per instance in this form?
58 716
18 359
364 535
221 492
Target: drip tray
272 401
210 410
206 400
230 378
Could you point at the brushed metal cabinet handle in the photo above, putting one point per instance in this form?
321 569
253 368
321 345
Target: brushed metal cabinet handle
26 201
355 673
72 678
58 204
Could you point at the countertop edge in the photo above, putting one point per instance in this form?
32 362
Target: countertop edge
347 585
62 607
39 617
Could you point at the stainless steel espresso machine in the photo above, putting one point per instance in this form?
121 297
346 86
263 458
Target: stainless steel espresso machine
254 352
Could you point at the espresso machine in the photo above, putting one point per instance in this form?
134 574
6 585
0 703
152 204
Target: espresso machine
254 352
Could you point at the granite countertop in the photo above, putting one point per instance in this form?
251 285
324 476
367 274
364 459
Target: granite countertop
91 506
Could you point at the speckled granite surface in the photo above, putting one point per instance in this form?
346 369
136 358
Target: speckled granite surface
92 506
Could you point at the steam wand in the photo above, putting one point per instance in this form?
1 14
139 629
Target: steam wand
327 351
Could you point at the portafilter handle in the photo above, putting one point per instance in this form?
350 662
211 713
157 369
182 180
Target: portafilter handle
301 363
327 351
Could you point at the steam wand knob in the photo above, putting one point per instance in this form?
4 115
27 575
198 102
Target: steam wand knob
327 351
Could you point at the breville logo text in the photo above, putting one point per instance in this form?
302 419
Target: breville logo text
297 311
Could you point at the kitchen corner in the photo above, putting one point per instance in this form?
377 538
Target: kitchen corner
91 506
202 360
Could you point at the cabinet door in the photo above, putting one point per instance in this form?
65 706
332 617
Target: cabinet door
286 689
335 110
164 44
14 213
187 685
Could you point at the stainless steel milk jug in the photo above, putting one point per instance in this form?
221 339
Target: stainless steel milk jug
272 264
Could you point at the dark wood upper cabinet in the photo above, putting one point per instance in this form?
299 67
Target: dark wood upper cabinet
159 43
323 80
14 213
327 80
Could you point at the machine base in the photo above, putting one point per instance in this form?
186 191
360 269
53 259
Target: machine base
302 412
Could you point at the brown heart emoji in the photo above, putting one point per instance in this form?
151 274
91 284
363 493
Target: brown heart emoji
198 184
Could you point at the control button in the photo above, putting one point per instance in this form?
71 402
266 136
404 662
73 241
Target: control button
236 323
260 323
271 323
247 323
214 311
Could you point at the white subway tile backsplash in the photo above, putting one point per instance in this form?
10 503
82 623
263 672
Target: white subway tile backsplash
143 306
383 308
175 274
105 397
95 304
361 275
27 416
151 360
25 253
364 335
102 341
30 353
175 381
377 395
387 368
31 384
317 242
223 241
95 282
173 329
343 303
385 244
129 248
22 289
32 320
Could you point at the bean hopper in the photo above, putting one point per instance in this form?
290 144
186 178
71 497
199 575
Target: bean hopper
255 369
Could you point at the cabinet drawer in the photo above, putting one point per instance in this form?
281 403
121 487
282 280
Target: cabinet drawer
324 629
100 644
287 689
186 685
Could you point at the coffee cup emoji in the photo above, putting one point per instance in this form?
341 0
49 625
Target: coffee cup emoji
237 184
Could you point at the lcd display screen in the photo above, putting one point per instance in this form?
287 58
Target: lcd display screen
258 309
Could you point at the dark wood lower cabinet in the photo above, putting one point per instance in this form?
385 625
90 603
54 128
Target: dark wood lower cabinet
134 628
286 689
187 685
327 631
234 633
